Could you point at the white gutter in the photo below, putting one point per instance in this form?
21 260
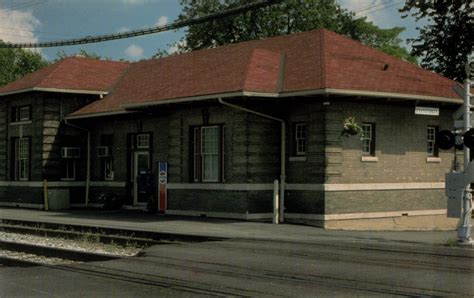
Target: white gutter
88 168
58 90
101 114
282 157
271 95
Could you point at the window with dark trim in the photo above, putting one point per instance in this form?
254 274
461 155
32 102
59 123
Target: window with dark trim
21 114
431 146
368 139
106 156
21 159
207 153
299 139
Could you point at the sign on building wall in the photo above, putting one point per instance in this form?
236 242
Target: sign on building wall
162 181
428 111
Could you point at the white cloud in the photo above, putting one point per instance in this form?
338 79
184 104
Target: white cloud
134 51
163 20
382 13
123 29
17 26
134 2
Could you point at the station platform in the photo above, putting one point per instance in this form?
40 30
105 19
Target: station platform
137 220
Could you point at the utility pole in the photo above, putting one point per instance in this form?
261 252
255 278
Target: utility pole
464 230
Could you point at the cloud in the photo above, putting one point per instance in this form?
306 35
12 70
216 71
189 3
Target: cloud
134 51
123 29
382 13
163 20
18 26
134 2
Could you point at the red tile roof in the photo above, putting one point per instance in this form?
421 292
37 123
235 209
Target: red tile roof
314 60
72 74
309 61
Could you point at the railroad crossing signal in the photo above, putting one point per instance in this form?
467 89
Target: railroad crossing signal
446 139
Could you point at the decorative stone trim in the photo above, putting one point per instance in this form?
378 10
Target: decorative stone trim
369 159
343 216
433 159
297 158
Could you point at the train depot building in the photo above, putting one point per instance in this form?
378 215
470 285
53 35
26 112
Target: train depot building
224 123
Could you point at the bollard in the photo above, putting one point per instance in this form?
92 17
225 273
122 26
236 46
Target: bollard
45 193
275 202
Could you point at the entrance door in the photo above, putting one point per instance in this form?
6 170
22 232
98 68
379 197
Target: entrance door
141 164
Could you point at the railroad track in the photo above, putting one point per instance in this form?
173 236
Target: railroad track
103 235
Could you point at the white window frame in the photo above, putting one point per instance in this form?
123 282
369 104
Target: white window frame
300 139
143 141
23 159
367 139
69 162
214 153
21 113
108 170
431 141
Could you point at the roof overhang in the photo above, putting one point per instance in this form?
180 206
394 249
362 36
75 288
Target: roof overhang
72 117
127 108
56 90
325 91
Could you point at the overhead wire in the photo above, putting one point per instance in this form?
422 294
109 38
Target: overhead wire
140 32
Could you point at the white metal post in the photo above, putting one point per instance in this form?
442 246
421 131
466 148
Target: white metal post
275 202
464 230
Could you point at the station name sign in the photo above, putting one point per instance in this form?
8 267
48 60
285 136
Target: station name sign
428 111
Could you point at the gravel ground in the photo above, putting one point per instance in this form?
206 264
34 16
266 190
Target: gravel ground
78 245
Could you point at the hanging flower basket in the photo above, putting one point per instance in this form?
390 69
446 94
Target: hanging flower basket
351 127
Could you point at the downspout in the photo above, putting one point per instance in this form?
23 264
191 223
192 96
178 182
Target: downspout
88 167
283 152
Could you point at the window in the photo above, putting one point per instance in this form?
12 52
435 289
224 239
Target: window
20 114
106 157
431 148
143 141
69 169
300 139
207 153
21 159
368 139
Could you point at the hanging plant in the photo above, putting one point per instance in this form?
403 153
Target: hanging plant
351 127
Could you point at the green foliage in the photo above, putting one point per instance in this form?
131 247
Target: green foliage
91 55
285 17
16 63
448 39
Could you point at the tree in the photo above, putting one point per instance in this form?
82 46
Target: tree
445 42
16 63
285 17
91 55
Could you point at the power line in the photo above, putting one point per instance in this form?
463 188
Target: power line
141 32
371 6
383 8
23 5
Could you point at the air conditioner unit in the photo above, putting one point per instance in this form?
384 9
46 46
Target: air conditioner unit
103 151
70 152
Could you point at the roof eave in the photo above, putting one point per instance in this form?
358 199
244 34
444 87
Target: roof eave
55 90
326 91
93 115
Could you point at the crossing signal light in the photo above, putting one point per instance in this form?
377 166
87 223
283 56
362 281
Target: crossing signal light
446 140
469 138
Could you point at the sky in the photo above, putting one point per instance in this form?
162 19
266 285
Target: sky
48 20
